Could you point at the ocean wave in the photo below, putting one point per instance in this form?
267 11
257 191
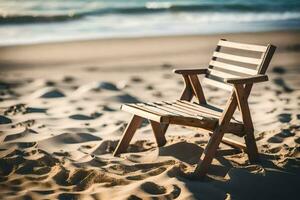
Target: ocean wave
23 19
150 8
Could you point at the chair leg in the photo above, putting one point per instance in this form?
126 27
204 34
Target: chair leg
159 132
246 115
252 150
128 134
209 153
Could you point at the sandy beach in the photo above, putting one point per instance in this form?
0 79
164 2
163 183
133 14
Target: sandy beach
60 121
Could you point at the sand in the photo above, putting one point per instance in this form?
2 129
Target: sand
60 122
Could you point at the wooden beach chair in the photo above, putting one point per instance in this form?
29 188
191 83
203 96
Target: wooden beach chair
226 71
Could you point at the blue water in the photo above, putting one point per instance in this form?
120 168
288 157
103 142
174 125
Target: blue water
33 21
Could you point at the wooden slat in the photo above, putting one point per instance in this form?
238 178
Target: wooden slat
153 108
175 110
205 122
199 108
221 74
233 143
172 112
186 109
193 112
266 59
247 80
242 59
217 84
242 46
234 68
144 113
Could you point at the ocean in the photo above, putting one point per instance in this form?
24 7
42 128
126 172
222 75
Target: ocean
35 21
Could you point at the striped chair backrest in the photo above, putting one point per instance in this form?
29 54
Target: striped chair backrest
231 64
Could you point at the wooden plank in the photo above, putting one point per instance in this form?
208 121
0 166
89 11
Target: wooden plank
173 109
246 115
128 134
242 46
200 108
158 133
234 68
193 112
247 80
234 143
190 71
242 59
172 112
216 138
217 84
266 59
235 128
187 93
221 74
198 92
144 113
152 108
205 123
186 109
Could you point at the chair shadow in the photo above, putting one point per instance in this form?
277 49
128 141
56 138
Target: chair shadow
190 153
272 182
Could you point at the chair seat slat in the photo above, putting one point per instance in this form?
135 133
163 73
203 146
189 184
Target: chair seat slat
201 108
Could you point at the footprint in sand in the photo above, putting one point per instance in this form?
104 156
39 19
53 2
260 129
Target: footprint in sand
285 117
68 79
123 98
71 138
107 86
136 79
149 87
96 86
280 82
161 191
153 188
53 94
5 120
279 70
22 134
286 133
85 117
275 139
48 92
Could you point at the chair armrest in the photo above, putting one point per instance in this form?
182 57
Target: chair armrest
250 79
190 71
